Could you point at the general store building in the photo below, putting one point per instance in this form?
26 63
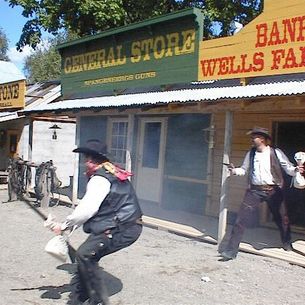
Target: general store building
172 107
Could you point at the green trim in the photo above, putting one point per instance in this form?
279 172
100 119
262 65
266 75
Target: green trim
134 26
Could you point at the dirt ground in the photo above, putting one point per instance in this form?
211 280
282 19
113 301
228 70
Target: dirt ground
159 269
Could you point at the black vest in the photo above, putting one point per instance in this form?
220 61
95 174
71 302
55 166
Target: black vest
120 206
275 167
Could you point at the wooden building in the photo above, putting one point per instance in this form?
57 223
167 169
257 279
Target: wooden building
12 98
173 108
33 138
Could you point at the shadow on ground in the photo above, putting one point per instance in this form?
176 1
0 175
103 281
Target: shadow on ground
113 284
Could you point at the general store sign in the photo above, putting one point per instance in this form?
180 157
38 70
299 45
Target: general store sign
274 43
12 95
159 51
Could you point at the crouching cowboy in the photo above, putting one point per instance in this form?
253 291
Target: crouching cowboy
110 214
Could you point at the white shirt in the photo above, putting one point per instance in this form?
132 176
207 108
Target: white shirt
97 189
261 167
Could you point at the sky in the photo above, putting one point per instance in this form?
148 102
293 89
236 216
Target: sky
12 22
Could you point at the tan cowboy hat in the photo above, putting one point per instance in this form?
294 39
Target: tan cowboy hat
260 131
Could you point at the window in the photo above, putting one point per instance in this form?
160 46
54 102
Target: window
118 140
151 148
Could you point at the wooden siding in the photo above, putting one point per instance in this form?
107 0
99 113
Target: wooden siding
259 112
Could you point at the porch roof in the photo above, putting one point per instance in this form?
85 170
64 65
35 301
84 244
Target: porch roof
37 94
9 72
8 116
212 91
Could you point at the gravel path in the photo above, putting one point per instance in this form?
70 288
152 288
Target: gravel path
159 269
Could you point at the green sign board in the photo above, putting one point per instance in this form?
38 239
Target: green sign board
159 51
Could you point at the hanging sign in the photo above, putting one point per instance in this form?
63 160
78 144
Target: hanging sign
273 43
159 51
12 95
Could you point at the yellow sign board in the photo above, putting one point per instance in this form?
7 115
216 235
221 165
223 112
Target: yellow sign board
12 95
272 44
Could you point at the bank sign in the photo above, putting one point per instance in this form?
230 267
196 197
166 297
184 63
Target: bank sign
12 95
159 51
273 43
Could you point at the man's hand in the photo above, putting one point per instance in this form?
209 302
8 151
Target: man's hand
57 229
230 167
300 169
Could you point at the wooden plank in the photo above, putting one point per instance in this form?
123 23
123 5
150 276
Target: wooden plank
177 228
3 176
296 257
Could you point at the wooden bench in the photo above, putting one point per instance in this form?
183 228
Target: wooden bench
3 176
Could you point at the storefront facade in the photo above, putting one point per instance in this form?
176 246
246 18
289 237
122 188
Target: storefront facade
159 147
12 98
172 108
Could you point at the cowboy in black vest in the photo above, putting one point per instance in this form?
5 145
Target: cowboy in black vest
264 165
110 214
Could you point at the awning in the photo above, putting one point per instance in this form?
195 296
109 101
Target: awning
210 92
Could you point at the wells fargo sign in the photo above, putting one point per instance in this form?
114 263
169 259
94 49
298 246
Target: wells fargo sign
274 43
159 51
12 95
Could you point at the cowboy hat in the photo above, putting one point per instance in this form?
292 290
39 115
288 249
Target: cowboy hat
260 131
95 148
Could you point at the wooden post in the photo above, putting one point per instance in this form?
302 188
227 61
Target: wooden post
76 165
129 142
223 210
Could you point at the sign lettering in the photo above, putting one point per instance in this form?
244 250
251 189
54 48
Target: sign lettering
12 95
154 52
173 44
9 92
274 46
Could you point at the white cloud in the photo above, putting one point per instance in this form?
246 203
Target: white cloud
18 57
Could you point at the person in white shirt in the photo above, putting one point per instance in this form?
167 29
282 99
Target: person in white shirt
110 213
264 165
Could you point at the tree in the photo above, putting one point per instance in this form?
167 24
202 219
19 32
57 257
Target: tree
86 17
45 62
3 46
226 11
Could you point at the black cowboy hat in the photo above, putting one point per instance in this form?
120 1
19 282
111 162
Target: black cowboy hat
260 131
94 148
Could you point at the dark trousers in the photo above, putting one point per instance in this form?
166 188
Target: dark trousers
87 283
248 214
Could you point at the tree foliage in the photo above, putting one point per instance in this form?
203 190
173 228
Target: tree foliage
226 11
44 63
3 46
86 17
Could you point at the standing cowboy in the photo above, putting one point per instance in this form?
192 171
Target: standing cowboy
110 214
264 165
